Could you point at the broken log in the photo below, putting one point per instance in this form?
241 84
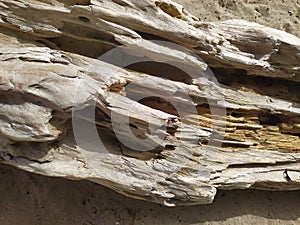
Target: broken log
142 97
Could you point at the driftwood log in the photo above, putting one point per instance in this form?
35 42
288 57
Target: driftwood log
144 98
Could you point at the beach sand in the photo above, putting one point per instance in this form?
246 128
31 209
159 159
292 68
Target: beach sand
29 199
279 14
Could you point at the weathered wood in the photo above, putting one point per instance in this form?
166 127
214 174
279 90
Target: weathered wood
167 135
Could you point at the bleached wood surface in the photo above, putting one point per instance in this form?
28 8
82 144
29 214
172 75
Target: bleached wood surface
192 134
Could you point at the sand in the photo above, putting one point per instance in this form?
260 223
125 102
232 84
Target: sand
279 14
30 199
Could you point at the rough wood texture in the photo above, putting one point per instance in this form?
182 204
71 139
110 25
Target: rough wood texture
168 135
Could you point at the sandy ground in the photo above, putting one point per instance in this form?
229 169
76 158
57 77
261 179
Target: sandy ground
30 199
279 14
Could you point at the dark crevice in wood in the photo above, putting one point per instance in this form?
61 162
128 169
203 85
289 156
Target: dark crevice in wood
269 119
238 79
293 134
261 165
151 37
84 19
163 70
236 144
93 45
90 47
68 3
159 104
122 3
